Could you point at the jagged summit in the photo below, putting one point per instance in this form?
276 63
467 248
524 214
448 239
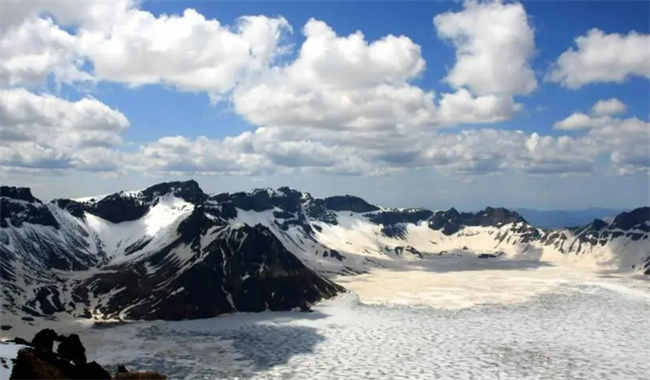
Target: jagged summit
638 218
349 203
19 193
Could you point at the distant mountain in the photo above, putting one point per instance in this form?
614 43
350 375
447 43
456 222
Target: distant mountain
172 251
565 218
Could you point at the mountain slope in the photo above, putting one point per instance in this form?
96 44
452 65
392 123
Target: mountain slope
171 251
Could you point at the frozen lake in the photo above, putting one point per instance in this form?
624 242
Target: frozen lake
494 322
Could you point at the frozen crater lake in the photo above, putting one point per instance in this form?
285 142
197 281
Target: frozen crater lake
495 322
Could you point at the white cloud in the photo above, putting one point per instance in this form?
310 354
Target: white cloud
247 154
577 120
344 90
494 43
50 132
171 154
463 107
344 105
35 49
127 45
186 51
627 141
340 83
492 150
609 107
601 57
66 12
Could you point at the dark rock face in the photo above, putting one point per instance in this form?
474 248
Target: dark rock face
39 362
263 199
395 216
393 221
247 270
29 365
348 203
451 221
636 219
44 340
19 193
120 207
73 207
188 190
71 348
317 210
93 370
635 222
19 206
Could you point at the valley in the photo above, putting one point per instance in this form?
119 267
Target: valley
194 285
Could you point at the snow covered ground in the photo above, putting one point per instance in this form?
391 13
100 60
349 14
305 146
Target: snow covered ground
488 319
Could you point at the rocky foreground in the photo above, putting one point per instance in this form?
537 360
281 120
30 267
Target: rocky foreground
52 356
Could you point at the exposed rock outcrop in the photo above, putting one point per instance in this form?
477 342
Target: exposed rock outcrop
38 361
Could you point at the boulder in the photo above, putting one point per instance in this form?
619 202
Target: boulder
44 340
93 370
29 365
71 348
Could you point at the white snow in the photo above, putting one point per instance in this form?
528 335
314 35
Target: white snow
555 328
117 237
8 351
97 198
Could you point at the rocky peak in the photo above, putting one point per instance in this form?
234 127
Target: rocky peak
19 193
128 206
18 206
636 219
187 190
73 207
349 203
492 216
451 221
263 199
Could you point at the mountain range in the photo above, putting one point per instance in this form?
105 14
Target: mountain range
172 251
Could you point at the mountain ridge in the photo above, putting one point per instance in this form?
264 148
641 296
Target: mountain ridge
172 251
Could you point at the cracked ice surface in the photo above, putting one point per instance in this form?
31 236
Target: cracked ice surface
583 327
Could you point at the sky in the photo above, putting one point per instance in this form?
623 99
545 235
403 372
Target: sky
538 104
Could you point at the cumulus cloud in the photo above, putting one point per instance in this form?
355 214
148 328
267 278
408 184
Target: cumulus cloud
463 107
248 154
186 51
494 43
601 116
340 83
609 107
35 49
343 105
122 43
492 150
466 152
49 132
626 140
601 58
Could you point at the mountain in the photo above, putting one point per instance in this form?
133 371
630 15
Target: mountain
565 218
172 251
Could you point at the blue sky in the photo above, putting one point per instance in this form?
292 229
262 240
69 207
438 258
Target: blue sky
154 121
557 23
